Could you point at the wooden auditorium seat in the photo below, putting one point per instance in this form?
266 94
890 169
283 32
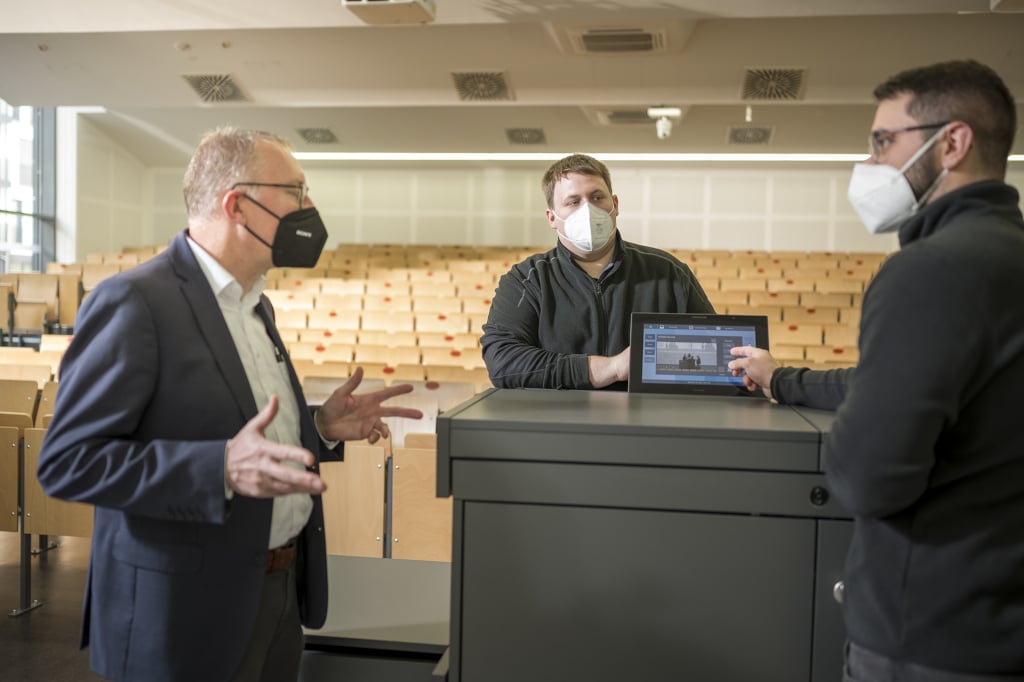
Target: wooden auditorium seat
45 515
421 525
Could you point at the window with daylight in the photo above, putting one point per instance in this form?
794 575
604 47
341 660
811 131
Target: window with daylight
27 197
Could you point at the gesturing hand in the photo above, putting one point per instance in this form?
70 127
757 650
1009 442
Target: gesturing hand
346 416
257 467
756 366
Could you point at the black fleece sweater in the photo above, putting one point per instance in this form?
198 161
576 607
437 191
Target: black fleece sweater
548 314
926 451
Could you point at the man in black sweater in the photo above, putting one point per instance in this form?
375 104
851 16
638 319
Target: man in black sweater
560 319
924 450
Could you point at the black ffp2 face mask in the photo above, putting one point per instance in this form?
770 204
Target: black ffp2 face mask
300 237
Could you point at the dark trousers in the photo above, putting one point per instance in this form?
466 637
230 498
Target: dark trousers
863 665
275 649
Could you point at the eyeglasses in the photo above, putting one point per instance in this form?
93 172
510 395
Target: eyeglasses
301 188
879 139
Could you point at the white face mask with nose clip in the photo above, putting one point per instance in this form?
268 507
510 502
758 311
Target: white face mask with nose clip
882 196
589 227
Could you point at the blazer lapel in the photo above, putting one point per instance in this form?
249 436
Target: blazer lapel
210 321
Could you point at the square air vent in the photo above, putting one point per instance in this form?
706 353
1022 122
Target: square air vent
525 135
750 134
216 88
773 84
318 135
481 86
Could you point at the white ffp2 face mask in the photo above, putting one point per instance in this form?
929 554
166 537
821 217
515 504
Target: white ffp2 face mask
589 227
882 196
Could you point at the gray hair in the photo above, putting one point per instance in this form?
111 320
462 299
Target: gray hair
224 157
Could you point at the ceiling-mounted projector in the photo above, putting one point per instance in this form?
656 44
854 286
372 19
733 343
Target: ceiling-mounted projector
392 11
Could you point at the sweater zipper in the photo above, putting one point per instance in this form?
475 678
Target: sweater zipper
602 316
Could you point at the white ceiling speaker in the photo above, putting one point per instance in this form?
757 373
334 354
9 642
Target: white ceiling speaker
392 11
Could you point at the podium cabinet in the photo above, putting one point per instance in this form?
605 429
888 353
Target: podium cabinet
612 536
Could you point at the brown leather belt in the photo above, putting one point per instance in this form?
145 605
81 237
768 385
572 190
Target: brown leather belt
281 558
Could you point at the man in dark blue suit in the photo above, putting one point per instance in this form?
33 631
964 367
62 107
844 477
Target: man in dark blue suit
181 419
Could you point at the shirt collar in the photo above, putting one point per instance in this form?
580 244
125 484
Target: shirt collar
224 286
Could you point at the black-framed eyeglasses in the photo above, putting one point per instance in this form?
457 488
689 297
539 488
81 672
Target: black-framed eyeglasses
882 138
300 188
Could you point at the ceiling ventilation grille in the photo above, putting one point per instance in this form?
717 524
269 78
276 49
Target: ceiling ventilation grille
216 88
651 36
526 135
618 40
773 84
750 134
624 117
318 135
481 86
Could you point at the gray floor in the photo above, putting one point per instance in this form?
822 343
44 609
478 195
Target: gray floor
42 644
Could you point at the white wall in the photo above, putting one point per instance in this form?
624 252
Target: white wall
113 197
735 207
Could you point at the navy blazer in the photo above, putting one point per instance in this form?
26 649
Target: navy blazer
151 389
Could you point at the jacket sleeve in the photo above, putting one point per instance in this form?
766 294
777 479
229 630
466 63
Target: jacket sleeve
92 452
823 390
920 345
511 347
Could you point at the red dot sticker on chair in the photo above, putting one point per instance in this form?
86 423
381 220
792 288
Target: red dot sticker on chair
479 286
320 348
291 297
431 385
328 333
811 311
449 337
773 295
298 282
760 269
838 351
387 284
388 370
793 327
849 272
789 281
387 299
455 353
430 273
442 316
333 313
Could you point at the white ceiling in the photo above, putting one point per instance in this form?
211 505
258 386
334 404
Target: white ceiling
315 64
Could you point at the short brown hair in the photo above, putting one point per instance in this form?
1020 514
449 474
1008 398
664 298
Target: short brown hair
224 157
962 90
577 163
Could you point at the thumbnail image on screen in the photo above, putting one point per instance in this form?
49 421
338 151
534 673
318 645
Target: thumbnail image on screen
692 354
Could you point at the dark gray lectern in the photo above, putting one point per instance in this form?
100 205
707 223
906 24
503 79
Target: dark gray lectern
612 536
